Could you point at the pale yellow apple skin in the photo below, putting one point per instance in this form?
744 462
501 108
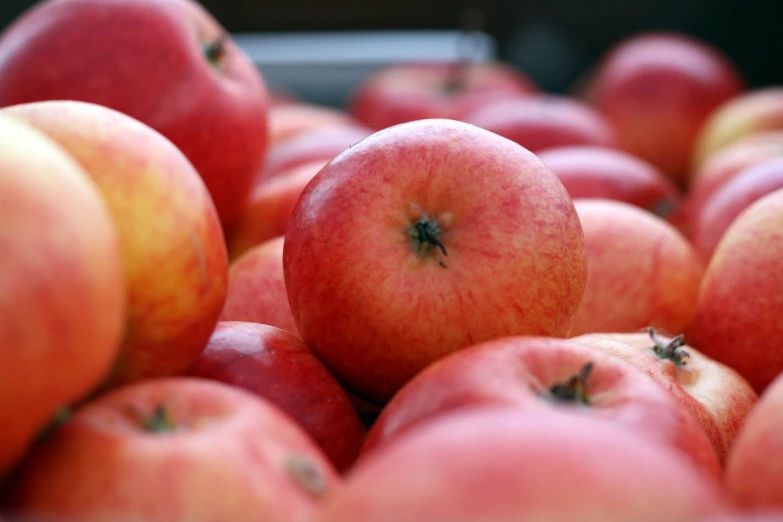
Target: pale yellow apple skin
62 290
174 253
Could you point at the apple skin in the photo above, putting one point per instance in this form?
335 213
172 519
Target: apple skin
380 304
605 173
146 59
715 394
641 271
747 516
739 302
286 121
62 303
416 91
521 371
174 254
494 464
276 365
220 453
728 202
658 89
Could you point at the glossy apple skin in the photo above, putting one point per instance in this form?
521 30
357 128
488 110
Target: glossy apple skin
545 121
736 319
408 92
658 89
145 58
640 271
716 395
520 371
286 121
605 173
174 254
62 288
494 464
276 365
103 464
373 308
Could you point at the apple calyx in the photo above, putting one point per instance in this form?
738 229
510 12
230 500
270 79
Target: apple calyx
425 234
573 390
306 474
159 421
663 208
215 50
670 351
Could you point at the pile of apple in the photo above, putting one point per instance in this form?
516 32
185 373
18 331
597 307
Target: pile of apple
459 298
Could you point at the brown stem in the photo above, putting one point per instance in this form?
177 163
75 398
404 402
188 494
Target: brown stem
670 351
575 388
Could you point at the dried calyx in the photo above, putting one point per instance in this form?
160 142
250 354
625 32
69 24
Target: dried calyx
215 49
426 233
159 421
306 474
574 390
670 351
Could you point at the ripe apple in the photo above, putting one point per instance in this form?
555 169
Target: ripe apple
276 365
425 238
736 319
601 172
747 516
658 89
167 63
640 270
173 249
62 291
728 202
540 373
286 121
174 449
754 474
416 91
495 464
716 395
755 111
545 121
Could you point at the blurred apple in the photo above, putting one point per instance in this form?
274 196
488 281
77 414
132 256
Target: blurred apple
174 253
62 292
286 121
167 63
423 239
658 89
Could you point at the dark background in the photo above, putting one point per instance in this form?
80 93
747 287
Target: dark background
529 32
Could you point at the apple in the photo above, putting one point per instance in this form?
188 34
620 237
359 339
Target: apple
425 238
545 121
286 121
605 173
747 516
62 303
407 92
174 449
757 110
276 365
728 202
739 302
641 271
167 63
658 89
173 251
539 373
715 394
494 464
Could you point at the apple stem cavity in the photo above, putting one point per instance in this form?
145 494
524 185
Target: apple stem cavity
306 474
670 351
425 234
158 422
216 49
575 388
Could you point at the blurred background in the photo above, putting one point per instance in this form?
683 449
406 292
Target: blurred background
319 49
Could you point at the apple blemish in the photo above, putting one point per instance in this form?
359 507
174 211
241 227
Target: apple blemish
574 390
306 474
670 351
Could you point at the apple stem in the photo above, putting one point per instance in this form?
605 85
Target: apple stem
158 422
670 351
426 235
215 49
306 474
575 388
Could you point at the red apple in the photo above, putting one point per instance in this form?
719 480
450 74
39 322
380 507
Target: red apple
600 172
747 516
62 291
658 89
640 271
286 121
167 63
276 365
173 249
754 471
716 395
538 373
493 464
268 210
415 91
737 313
256 288
425 238
174 449
727 202
545 121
